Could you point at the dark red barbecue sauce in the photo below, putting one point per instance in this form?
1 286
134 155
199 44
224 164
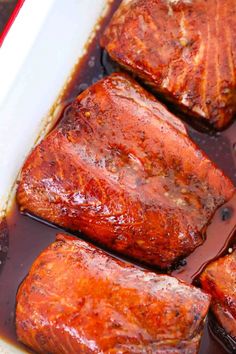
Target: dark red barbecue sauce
27 237
6 9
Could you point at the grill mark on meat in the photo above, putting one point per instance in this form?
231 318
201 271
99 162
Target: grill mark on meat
232 37
230 55
204 81
230 49
183 41
217 52
211 68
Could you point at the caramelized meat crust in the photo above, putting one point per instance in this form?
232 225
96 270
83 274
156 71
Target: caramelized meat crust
219 280
78 299
185 49
120 168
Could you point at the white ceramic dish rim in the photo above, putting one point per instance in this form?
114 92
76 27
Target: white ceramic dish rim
36 61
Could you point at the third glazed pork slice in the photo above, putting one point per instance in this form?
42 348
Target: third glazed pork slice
120 168
185 49
77 299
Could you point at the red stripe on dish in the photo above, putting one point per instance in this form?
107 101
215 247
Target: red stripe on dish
11 20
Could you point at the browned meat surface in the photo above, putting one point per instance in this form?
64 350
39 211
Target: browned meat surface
186 49
121 168
219 280
77 299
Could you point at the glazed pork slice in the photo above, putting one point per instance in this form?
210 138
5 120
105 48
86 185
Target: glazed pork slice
121 169
78 299
185 49
219 280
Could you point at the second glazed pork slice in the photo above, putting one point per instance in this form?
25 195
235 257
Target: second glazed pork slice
120 168
185 49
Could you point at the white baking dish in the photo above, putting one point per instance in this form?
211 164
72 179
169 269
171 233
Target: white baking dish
36 59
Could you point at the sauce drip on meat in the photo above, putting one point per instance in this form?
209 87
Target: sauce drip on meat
28 237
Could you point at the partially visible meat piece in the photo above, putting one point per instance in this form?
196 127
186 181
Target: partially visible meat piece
185 49
122 169
219 280
78 299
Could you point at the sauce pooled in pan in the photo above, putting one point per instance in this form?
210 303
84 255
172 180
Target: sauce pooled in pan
27 237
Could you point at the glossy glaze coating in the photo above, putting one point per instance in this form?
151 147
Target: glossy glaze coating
219 280
78 299
122 169
186 49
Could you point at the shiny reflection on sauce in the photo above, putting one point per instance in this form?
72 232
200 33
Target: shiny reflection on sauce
219 235
4 242
28 237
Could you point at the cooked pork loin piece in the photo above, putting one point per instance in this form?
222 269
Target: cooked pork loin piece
219 280
78 299
185 49
120 168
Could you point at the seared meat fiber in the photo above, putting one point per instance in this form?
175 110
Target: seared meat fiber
78 299
120 168
219 280
185 49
